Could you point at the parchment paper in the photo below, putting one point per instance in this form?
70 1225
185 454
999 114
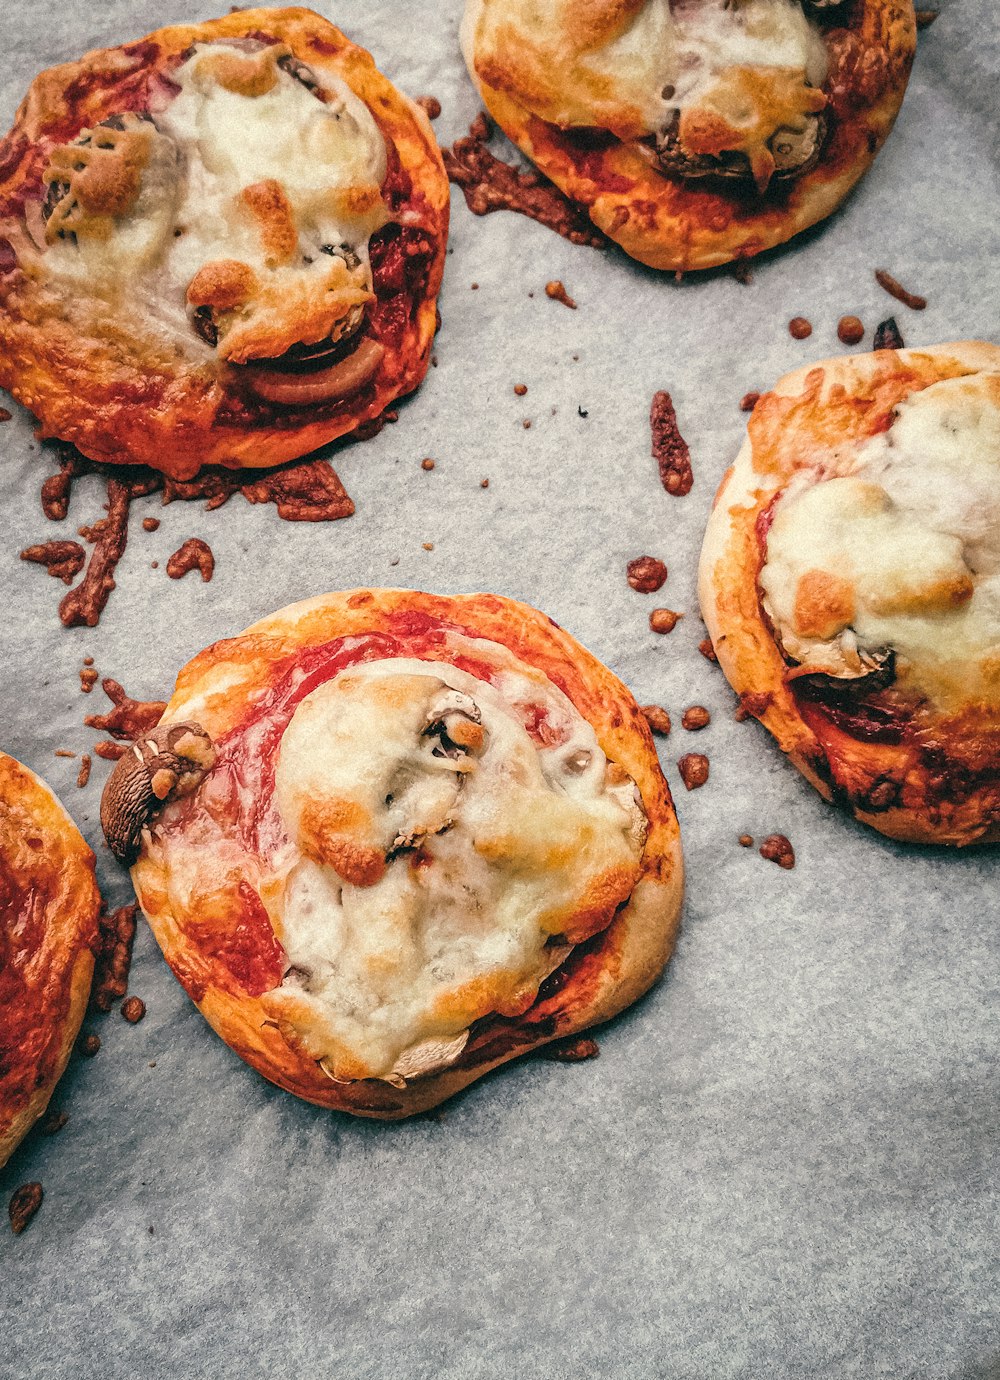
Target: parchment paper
784 1161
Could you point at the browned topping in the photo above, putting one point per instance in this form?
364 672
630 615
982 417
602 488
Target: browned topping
882 796
427 464
110 752
707 650
83 775
695 718
85 603
89 1045
430 105
799 328
62 559
53 1123
895 289
520 389
128 718
195 554
670 450
484 483
752 705
133 1009
925 18
693 767
57 488
646 574
428 546
88 679
222 284
116 934
558 293
572 1050
888 335
657 718
492 185
745 840
150 524
850 330
777 849
5 416
749 401
663 620
24 1203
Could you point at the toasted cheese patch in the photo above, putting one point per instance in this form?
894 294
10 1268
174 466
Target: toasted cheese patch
246 165
903 554
743 71
445 859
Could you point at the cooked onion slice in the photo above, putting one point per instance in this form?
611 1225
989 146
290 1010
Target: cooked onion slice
338 381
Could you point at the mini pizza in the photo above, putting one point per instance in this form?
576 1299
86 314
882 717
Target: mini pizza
219 245
695 132
49 905
850 580
388 841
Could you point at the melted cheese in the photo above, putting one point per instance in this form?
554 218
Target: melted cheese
913 533
270 177
436 883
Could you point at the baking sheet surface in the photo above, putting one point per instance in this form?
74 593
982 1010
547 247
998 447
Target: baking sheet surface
784 1162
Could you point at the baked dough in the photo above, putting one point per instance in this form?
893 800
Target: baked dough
48 934
695 131
850 580
405 838
221 244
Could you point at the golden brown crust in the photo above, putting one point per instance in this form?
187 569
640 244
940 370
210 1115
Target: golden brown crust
930 778
600 977
48 929
119 395
669 222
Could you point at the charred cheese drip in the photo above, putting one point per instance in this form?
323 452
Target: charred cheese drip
444 861
245 207
718 86
902 553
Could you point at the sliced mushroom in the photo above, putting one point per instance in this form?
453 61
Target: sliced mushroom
795 153
455 720
866 671
305 390
161 766
428 1056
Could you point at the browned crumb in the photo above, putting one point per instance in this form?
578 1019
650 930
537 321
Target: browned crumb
195 554
62 559
63 752
53 1123
646 574
428 546
474 287
888 335
484 483
670 450
88 661
89 1045
749 401
742 272
116 935
695 718
752 705
925 18
895 289
693 767
427 464
777 849
128 717
430 105
24 1203
150 524
850 330
133 1009
83 775
657 718
520 389
799 328
707 650
526 424
558 293
663 620
88 679
745 840
110 752
570 1051
5 415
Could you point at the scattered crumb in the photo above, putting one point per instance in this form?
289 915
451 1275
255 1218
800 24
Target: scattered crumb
150 524
925 18
133 1009
777 849
657 718
707 650
526 424
484 483
742 272
558 293
749 401
670 450
427 464
390 414
53 1123
888 335
88 661
895 289
116 936
24 1203
430 105
850 330
62 559
88 679
693 767
799 328
695 718
570 1051
428 546
745 840
89 1045
64 752
5 415
83 775
582 412
474 287
195 554
520 389
663 620
646 574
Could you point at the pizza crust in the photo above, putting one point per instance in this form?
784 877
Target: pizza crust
932 782
665 220
47 945
597 979
150 395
